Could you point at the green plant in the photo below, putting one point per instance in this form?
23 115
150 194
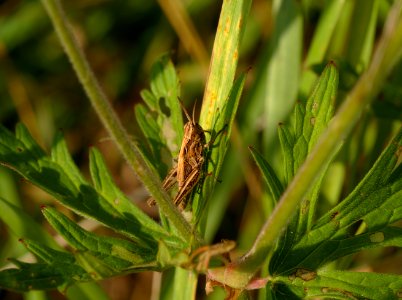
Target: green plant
296 252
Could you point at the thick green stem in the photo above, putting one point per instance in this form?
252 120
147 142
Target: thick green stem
110 119
387 54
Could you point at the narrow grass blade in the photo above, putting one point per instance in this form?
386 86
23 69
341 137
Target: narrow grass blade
284 65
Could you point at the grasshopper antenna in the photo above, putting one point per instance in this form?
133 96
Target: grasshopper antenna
185 111
195 104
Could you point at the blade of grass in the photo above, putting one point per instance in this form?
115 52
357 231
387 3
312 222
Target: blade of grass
224 59
283 70
360 45
323 32
221 96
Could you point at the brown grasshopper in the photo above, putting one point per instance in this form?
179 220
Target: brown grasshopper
189 163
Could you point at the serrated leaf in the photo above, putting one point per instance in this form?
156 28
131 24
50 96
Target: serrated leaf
296 141
105 185
41 276
47 254
30 229
107 256
337 248
344 285
378 176
268 174
163 98
58 177
373 201
310 121
159 154
61 156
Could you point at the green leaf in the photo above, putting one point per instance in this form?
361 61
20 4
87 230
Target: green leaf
362 34
284 64
225 55
269 175
23 225
379 175
310 121
376 201
47 254
297 141
59 177
101 256
41 276
161 121
163 98
104 184
342 285
337 248
323 32
159 152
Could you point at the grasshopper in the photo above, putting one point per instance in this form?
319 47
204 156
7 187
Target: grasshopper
189 163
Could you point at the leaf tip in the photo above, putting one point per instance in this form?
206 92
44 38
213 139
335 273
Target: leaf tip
332 63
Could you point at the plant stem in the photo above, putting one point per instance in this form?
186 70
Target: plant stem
110 120
387 54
